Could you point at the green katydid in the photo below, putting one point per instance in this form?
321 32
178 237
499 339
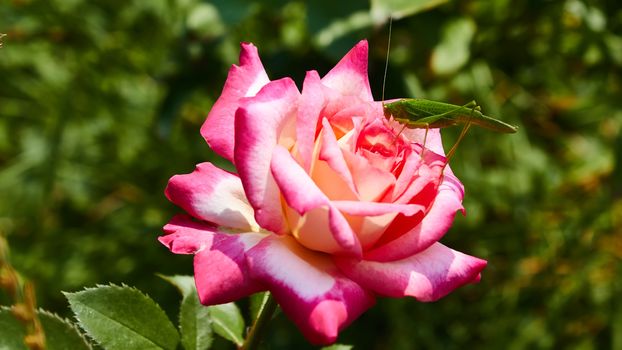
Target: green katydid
417 113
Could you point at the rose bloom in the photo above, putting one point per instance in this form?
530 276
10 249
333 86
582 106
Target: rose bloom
331 205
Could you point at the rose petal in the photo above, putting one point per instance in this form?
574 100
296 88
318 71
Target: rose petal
371 219
310 289
212 194
427 276
243 81
302 195
331 183
431 228
428 173
299 191
433 139
349 76
417 173
342 111
311 104
184 236
434 143
371 183
451 182
376 208
220 269
330 152
257 123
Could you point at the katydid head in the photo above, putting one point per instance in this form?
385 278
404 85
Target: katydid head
391 110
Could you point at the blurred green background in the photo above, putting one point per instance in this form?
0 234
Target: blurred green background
102 101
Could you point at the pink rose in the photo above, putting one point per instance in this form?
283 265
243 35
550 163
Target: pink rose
330 206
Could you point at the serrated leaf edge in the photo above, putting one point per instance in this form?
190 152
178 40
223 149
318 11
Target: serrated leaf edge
67 322
122 286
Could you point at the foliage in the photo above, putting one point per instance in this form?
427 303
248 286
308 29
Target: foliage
121 317
60 334
225 319
101 102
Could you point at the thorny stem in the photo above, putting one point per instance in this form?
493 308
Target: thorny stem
266 311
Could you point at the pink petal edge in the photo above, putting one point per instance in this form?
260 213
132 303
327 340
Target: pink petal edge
212 194
426 276
220 270
243 81
432 228
258 122
311 104
310 289
349 76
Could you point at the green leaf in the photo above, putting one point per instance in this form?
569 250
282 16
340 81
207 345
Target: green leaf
195 323
226 319
228 322
60 334
123 318
185 284
257 300
381 10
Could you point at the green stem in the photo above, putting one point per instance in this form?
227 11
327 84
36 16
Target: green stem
261 323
